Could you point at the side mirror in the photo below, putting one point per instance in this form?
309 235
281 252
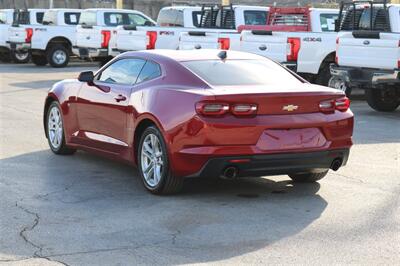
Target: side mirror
149 23
86 76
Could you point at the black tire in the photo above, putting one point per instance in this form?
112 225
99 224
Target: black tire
5 57
61 149
339 84
54 51
308 177
39 60
383 100
324 75
168 183
20 57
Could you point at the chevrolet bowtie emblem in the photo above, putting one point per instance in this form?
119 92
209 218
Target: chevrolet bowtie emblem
290 108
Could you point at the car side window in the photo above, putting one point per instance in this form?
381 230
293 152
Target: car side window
150 71
71 18
138 20
328 22
124 72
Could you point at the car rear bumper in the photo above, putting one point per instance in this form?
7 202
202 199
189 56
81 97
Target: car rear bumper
274 164
88 52
366 77
19 46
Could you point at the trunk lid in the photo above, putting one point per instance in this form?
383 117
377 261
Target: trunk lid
304 98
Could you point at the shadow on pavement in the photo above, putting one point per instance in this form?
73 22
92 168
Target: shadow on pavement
89 206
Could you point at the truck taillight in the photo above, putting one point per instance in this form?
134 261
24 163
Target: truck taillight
151 40
337 40
224 43
340 104
106 38
294 48
336 60
398 63
219 109
29 34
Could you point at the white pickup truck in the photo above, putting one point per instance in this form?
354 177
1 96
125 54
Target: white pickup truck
368 53
21 31
301 38
176 19
6 19
95 28
52 42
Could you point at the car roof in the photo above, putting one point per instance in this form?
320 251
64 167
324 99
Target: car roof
193 55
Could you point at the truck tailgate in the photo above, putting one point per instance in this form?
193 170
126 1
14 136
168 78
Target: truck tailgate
382 51
209 40
130 40
273 46
89 37
17 34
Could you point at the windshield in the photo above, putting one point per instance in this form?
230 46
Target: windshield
241 72
50 18
3 18
88 19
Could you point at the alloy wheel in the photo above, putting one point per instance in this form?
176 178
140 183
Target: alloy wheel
55 127
152 160
59 57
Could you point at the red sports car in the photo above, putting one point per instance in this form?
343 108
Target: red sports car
203 113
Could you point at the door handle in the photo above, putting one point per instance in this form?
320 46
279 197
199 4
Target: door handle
120 98
263 47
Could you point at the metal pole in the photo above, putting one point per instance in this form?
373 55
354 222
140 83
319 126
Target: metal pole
225 2
120 4
51 4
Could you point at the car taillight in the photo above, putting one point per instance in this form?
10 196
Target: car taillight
151 40
294 48
244 109
106 38
341 104
212 109
224 43
29 34
219 109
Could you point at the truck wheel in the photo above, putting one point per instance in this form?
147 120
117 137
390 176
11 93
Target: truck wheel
383 100
20 57
58 56
339 84
39 60
308 177
324 75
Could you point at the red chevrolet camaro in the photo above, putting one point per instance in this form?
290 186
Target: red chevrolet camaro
203 113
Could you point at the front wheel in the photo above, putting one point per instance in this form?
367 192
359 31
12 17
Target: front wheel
55 130
308 177
339 84
383 100
153 164
58 56
20 57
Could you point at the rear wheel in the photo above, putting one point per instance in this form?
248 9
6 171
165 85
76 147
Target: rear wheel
58 56
20 57
308 177
324 75
39 60
339 84
5 57
383 100
55 130
153 164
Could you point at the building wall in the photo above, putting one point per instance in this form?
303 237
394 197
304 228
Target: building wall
150 7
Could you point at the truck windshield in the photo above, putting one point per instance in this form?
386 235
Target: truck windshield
3 18
88 19
255 17
50 18
117 19
241 72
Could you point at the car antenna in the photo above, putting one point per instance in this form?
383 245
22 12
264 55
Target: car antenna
222 55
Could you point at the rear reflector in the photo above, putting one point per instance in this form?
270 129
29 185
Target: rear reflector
239 161
294 48
151 40
224 43
244 109
106 34
29 34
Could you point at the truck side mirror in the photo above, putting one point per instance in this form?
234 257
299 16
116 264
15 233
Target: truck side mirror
86 76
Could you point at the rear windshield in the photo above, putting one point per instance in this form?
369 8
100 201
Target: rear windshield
117 19
255 17
328 22
241 72
170 18
21 18
3 17
72 18
88 19
39 17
